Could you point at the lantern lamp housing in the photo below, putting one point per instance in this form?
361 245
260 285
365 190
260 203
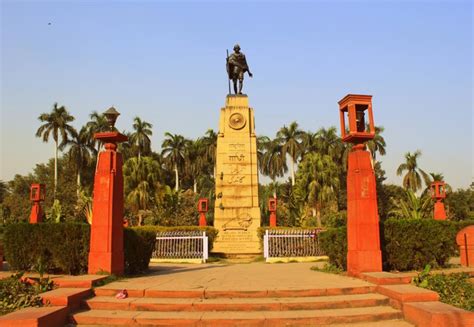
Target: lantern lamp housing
438 190
356 109
272 204
203 205
37 192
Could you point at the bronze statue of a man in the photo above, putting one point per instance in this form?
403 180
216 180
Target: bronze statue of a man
236 67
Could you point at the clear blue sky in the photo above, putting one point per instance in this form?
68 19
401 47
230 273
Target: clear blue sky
165 62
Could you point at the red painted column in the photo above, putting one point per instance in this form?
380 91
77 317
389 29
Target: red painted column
202 219
439 212
273 219
363 237
106 244
36 215
465 241
272 207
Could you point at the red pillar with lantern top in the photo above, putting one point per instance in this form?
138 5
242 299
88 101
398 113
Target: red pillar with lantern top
438 193
203 207
37 195
272 207
106 244
363 238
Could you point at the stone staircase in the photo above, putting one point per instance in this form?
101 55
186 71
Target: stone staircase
310 307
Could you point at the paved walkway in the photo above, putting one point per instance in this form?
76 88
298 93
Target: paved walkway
242 277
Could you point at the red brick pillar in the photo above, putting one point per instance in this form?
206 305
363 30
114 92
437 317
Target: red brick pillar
106 244
439 212
465 241
363 238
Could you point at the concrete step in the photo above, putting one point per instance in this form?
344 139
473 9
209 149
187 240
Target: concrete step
215 293
233 318
381 323
236 304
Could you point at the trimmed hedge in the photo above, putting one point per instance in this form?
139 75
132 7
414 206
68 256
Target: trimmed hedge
138 248
334 244
411 244
60 247
64 247
407 244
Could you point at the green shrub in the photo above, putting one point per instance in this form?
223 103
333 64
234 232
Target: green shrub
64 247
138 248
411 244
17 293
334 243
454 289
60 247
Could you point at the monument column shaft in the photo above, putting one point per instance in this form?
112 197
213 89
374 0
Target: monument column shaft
106 245
439 212
363 240
237 212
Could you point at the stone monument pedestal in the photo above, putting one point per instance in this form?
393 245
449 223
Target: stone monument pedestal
237 211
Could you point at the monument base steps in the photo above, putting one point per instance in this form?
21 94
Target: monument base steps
309 307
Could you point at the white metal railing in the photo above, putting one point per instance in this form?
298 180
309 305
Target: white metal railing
181 245
284 243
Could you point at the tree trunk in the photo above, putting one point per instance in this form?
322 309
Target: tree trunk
292 172
140 219
318 216
195 186
139 154
176 186
274 189
78 183
55 168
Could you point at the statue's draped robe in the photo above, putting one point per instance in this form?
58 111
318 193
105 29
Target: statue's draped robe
237 65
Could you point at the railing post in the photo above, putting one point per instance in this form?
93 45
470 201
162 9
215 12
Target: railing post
205 251
265 245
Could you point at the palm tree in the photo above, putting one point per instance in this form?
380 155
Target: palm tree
141 137
195 160
329 142
97 124
377 144
80 150
174 150
309 143
262 143
412 179
210 144
273 161
140 178
55 124
318 182
290 139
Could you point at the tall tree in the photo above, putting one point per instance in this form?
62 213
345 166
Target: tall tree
195 160
210 143
141 135
274 162
56 123
412 179
140 178
377 144
80 150
97 123
174 150
317 183
290 138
